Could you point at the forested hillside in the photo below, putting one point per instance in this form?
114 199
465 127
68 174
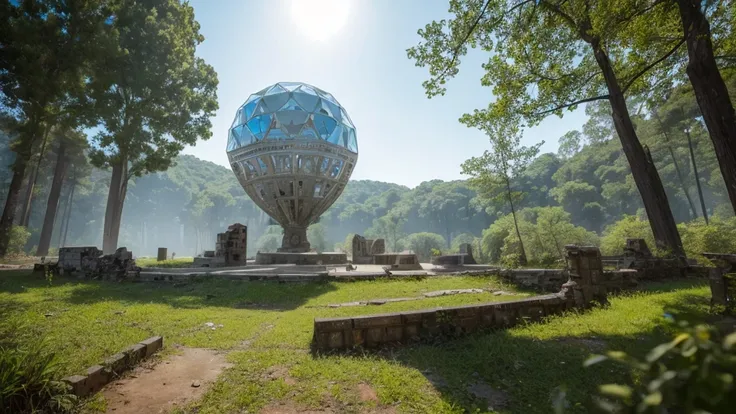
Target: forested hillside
589 180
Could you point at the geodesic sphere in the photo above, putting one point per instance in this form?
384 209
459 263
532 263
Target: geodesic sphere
293 148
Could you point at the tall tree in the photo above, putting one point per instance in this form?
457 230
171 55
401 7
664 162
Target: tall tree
153 95
551 55
493 172
45 44
710 89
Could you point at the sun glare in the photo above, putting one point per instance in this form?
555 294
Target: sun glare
320 19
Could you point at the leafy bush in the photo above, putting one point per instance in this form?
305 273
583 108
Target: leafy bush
29 382
19 236
692 373
719 236
630 227
423 243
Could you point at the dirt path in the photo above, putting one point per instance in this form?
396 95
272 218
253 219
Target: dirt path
173 382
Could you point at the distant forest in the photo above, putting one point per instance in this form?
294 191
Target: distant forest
587 187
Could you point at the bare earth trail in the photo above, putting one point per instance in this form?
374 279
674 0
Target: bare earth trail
176 381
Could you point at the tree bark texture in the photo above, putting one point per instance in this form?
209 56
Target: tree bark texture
53 201
8 217
25 214
522 256
114 208
645 173
70 203
710 91
697 176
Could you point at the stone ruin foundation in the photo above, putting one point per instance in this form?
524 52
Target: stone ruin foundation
231 249
367 251
464 257
89 262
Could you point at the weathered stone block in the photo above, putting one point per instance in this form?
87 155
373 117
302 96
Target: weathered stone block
375 336
533 313
466 311
97 377
394 334
332 324
322 339
469 324
334 340
78 384
153 344
412 317
411 332
505 317
135 353
391 319
358 337
116 363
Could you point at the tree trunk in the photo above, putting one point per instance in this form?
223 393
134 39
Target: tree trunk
64 214
710 91
53 201
68 214
8 217
522 256
114 208
25 213
677 169
642 167
697 177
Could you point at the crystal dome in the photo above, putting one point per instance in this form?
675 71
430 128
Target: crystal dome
292 110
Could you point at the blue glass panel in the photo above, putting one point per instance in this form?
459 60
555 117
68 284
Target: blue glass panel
264 169
274 102
252 98
336 167
322 108
324 165
262 108
276 133
329 97
345 136
291 105
324 125
289 86
236 120
308 132
336 136
306 101
249 108
345 118
292 121
308 89
334 109
353 142
256 128
275 89
232 144
238 135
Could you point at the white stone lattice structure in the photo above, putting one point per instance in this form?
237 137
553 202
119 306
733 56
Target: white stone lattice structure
293 148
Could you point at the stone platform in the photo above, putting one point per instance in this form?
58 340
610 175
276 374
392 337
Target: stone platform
310 258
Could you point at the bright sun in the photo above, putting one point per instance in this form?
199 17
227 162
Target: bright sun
319 19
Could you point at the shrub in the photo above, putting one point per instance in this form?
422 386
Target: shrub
19 236
692 373
629 227
719 236
29 382
423 243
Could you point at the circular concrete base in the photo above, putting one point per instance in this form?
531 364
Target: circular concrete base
301 258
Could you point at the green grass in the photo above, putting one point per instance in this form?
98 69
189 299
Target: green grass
269 325
152 262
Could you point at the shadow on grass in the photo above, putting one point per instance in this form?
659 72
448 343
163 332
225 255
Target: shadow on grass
515 371
191 295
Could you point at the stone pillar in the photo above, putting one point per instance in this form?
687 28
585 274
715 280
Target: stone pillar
295 240
162 254
718 288
586 270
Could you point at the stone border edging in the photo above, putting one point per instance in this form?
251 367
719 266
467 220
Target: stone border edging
98 376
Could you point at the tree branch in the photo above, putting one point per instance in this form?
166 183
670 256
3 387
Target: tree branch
650 66
456 50
595 98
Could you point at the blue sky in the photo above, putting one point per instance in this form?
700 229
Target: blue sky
403 136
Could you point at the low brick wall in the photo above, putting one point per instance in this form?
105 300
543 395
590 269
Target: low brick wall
403 327
98 376
544 280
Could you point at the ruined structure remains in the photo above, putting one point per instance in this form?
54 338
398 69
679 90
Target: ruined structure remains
464 257
293 149
231 249
88 261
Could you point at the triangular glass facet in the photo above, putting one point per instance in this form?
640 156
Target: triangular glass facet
274 90
305 100
345 118
261 108
353 142
248 110
308 89
308 132
290 86
336 136
274 102
334 109
325 125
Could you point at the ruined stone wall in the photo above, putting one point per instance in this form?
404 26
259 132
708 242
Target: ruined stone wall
403 327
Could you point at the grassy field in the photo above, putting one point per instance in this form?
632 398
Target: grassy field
267 327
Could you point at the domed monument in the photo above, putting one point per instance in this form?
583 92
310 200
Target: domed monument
293 148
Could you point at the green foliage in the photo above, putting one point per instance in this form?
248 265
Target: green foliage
424 243
630 227
719 236
19 236
271 239
316 235
694 372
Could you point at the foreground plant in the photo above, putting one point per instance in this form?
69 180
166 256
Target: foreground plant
693 373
